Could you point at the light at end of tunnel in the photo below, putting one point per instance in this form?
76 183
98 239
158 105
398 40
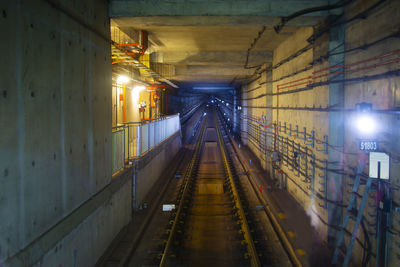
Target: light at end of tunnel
139 88
366 124
122 79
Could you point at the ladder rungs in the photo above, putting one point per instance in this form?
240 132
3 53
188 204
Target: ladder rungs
353 214
357 194
341 249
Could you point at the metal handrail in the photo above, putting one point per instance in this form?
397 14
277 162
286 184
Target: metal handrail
117 128
141 137
152 120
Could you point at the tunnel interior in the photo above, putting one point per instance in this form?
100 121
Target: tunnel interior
285 115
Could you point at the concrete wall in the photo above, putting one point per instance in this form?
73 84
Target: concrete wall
311 120
382 94
55 121
188 128
311 109
86 242
132 8
183 101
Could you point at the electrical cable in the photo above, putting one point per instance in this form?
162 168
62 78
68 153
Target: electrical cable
305 150
327 109
304 49
394 73
285 20
361 15
253 44
325 57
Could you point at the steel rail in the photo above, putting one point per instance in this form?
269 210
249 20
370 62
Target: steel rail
274 221
188 174
254 259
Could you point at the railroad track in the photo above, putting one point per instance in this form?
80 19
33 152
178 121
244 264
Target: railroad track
270 221
219 220
214 224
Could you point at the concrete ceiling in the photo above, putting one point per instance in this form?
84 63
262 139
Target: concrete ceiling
210 49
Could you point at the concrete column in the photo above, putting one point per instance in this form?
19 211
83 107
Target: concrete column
336 133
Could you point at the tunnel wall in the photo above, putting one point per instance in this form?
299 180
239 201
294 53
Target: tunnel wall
384 94
183 102
56 133
313 109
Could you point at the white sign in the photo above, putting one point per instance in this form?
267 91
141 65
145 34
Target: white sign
378 162
168 207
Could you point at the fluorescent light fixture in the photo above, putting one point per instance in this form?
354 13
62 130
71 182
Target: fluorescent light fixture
122 79
365 124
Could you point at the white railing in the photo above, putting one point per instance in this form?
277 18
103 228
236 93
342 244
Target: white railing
134 139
